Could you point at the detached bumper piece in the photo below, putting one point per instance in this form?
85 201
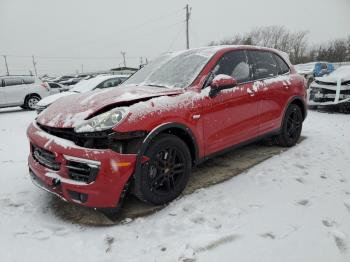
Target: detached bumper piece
82 170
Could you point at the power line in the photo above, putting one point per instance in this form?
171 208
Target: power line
169 14
175 39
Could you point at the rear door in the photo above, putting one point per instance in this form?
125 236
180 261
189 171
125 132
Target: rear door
231 117
13 90
272 76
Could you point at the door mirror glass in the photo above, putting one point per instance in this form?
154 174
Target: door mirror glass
221 82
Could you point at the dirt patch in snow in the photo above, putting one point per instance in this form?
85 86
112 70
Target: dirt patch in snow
211 172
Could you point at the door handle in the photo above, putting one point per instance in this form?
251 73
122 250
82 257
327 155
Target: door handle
251 92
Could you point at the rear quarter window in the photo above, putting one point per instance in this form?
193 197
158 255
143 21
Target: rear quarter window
28 80
283 68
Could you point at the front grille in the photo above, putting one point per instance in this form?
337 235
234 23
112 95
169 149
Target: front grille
45 158
82 172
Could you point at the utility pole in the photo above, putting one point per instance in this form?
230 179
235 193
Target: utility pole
7 68
141 60
34 64
123 54
188 14
82 68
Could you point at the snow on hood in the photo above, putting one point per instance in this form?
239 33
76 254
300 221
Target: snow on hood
68 112
50 99
342 73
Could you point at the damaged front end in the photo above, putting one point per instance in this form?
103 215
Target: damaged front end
329 93
123 143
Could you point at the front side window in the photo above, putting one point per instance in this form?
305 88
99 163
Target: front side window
234 64
264 65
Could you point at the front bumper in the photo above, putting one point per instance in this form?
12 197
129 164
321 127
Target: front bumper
318 95
113 170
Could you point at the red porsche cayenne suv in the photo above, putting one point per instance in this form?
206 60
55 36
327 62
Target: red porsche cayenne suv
179 110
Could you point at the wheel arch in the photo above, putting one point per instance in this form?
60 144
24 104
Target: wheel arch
299 101
31 94
177 129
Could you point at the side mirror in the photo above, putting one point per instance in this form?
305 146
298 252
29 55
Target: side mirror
221 82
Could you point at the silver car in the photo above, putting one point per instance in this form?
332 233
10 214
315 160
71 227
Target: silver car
24 91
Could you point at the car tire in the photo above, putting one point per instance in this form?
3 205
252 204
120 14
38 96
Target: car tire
291 127
165 175
31 101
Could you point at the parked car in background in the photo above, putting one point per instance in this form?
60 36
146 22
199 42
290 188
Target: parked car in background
177 111
330 90
314 69
24 91
61 78
71 81
57 88
96 83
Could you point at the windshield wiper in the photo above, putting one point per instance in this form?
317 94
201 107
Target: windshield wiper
157 85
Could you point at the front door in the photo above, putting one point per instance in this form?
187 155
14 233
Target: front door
231 117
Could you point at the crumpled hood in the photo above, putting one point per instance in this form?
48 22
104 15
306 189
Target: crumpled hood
332 78
71 110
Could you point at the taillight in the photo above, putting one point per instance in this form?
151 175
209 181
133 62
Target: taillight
45 85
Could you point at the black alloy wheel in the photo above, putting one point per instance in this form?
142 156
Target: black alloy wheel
291 127
166 174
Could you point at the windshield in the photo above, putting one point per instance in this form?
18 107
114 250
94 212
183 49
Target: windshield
177 69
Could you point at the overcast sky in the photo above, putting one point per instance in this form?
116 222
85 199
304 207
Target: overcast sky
65 34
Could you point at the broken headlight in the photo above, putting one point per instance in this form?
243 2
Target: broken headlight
103 121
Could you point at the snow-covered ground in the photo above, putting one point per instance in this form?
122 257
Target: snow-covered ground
292 207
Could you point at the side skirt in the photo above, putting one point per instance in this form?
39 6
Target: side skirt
236 146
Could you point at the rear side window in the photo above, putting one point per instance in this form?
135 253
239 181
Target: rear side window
54 85
283 68
264 65
234 64
13 81
28 80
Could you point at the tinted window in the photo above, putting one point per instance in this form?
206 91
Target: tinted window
13 81
283 68
54 85
110 83
234 64
323 66
28 80
264 65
